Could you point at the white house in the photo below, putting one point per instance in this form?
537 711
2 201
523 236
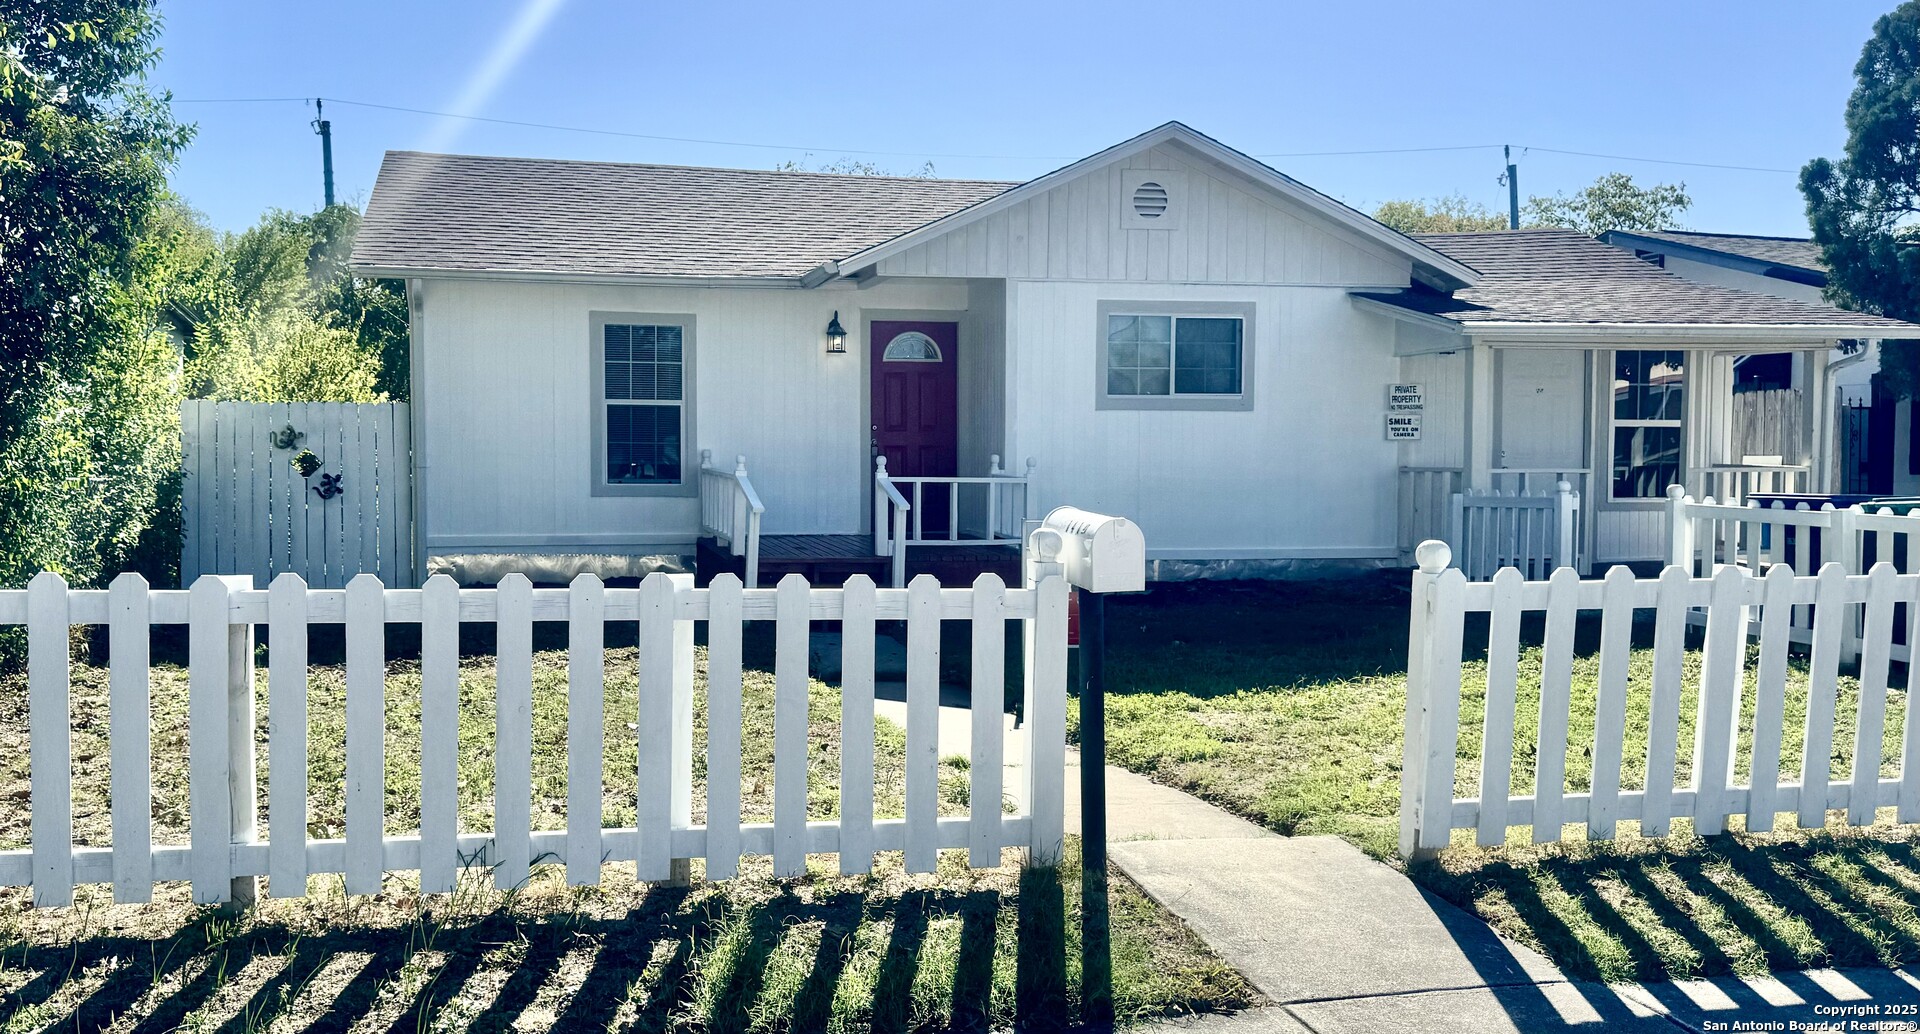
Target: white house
1793 267
1168 330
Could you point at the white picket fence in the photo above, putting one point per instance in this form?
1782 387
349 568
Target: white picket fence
245 509
1442 598
1532 533
1704 536
227 852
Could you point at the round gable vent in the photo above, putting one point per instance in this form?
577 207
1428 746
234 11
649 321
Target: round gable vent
1149 200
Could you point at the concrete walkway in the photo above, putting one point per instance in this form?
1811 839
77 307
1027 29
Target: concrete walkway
1342 943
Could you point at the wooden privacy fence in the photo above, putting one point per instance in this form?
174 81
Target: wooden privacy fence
1705 536
1533 533
1442 598
1769 423
227 852
320 489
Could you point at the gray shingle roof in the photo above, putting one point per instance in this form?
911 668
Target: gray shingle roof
543 216
1798 252
1563 277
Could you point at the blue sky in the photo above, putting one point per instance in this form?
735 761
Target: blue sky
1011 90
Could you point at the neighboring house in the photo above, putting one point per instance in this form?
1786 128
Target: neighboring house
1793 267
1168 330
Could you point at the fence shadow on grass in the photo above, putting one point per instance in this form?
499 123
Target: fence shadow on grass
729 963
1733 919
1725 906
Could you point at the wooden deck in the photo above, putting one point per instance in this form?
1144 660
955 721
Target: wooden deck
832 559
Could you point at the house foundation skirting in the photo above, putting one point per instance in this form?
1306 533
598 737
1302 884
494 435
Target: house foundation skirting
553 568
1286 569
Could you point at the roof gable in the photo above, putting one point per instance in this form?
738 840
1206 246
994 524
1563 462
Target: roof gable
1167 146
1212 225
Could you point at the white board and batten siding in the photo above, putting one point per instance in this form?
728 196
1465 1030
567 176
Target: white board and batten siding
1443 385
1228 230
230 848
246 510
1270 480
518 477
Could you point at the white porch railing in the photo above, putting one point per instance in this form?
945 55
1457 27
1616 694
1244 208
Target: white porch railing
228 852
1546 481
1734 482
1430 811
1533 533
1705 536
730 511
995 515
890 510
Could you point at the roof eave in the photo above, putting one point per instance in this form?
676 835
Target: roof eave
373 270
1404 314
1808 334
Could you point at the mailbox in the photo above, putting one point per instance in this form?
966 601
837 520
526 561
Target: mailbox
1099 553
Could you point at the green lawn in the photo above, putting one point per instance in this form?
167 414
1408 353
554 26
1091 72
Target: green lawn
1285 703
957 949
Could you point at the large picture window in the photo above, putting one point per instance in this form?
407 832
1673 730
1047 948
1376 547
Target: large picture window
641 367
1649 407
1175 356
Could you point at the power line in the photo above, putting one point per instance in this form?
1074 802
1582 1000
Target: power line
1666 161
634 136
1382 150
954 155
244 100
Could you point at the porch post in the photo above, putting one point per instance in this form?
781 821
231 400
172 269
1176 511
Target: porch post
1821 414
1477 470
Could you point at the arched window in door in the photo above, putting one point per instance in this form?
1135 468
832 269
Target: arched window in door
911 347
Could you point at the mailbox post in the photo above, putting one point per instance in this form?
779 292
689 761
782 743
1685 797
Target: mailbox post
1098 554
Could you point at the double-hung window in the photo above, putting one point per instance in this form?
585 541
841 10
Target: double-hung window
1649 407
642 409
1175 356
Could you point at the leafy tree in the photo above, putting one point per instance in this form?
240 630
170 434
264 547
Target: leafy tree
294 324
1451 214
845 166
374 312
1612 202
87 377
1862 208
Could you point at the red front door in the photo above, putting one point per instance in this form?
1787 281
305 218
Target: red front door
915 405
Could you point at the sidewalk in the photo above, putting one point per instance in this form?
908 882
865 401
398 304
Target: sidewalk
1342 943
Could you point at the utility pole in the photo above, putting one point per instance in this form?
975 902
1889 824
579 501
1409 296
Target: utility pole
1512 178
325 129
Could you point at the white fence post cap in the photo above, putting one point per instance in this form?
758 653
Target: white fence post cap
1433 556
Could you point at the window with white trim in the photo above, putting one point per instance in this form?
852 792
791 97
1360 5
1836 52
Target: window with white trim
643 378
1170 356
1649 409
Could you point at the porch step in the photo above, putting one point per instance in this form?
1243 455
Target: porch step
832 559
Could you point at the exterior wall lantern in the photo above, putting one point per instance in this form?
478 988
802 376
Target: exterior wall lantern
836 335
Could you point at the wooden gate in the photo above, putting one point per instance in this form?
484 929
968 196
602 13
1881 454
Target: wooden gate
320 489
